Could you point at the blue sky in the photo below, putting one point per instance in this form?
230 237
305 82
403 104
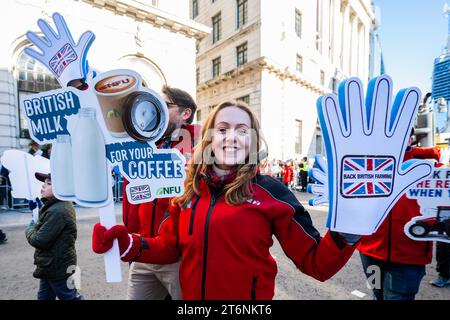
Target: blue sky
413 33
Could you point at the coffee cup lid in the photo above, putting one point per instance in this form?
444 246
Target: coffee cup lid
143 116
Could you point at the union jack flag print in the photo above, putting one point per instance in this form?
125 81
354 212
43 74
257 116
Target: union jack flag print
367 176
140 192
62 59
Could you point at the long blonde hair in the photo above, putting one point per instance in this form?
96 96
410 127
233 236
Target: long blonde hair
239 190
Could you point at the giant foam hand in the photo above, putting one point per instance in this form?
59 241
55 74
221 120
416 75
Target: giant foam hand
59 52
320 188
22 166
365 145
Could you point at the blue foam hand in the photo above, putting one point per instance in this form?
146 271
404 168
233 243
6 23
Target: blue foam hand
58 51
320 188
365 146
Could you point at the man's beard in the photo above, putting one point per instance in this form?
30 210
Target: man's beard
170 129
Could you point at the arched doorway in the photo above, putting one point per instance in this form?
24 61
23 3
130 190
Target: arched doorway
150 72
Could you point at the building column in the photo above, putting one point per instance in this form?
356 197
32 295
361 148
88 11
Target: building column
354 56
8 112
345 49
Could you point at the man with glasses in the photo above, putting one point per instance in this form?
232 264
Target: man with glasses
151 281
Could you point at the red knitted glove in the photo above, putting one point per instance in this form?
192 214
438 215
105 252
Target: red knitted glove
102 241
99 243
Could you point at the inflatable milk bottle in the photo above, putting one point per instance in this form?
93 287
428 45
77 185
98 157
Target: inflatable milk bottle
89 159
62 168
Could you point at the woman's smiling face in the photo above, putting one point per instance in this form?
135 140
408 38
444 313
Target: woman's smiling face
231 138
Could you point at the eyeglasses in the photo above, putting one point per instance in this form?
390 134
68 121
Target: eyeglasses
171 104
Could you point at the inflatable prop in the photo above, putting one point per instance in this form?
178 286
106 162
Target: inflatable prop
116 121
433 196
22 166
365 144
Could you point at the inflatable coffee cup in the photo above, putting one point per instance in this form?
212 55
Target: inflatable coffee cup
112 89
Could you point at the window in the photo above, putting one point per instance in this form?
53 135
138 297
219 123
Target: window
299 63
298 23
241 54
241 12
319 25
216 21
334 85
331 31
298 136
32 77
155 3
245 99
216 67
199 115
211 108
197 76
319 149
194 8
322 77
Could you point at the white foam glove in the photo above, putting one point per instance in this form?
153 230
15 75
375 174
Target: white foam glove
365 146
319 175
59 52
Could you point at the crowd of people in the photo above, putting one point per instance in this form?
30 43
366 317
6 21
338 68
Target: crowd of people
292 173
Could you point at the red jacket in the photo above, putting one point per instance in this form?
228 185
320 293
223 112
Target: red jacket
225 249
145 218
288 174
390 243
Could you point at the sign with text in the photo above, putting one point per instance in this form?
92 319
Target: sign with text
433 196
151 172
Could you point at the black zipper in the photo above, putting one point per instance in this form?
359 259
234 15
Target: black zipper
191 221
153 218
255 280
205 247
389 237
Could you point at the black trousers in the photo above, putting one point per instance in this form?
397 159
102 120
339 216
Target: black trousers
304 179
443 259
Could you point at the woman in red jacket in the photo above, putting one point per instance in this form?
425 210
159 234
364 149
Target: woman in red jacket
222 226
288 174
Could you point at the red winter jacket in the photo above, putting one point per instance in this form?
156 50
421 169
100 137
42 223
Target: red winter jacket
288 174
225 249
390 243
145 219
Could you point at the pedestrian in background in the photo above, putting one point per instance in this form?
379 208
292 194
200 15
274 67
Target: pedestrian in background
53 238
304 167
442 265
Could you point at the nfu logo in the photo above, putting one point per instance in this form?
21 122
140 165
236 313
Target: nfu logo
168 191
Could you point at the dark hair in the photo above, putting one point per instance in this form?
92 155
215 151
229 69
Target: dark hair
182 99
